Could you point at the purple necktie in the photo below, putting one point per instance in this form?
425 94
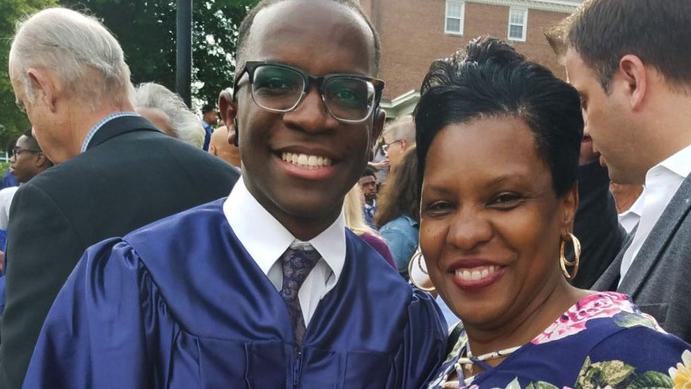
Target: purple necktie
297 264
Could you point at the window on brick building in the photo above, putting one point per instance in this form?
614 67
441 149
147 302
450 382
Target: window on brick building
455 10
518 23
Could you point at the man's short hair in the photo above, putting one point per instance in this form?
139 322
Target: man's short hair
369 171
76 47
246 25
185 123
31 140
656 31
402 128
208 108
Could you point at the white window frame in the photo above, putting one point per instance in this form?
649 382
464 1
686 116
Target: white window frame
524 32
461 19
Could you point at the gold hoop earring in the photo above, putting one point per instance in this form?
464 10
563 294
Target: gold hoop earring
417 257
564 263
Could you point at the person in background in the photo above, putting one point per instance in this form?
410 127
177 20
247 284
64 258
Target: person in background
265 288
596 223
209 121
398 213
498 141
634 96
368 186
26 162
114 170
223 139
8 179
398 137
355 221
168 113
379 162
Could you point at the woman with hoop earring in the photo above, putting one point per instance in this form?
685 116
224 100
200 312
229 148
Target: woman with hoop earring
498 139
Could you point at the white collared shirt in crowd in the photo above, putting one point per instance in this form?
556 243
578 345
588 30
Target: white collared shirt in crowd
661 183
265 239
629 219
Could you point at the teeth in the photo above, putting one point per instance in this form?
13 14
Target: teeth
476 273
308 161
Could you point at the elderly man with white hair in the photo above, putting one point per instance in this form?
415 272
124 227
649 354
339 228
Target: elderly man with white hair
115 171
169 113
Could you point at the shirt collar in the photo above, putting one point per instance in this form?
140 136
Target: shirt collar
678 163
630 218
241 207
101 123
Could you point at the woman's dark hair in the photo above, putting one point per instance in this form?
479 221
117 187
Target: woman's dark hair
491 80
400 195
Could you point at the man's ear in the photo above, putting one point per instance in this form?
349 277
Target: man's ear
635 75
44 87
223 104
379 117
228 110
42 161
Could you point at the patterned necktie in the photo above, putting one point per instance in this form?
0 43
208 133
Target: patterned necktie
297 264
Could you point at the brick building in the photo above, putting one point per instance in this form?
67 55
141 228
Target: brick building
416 32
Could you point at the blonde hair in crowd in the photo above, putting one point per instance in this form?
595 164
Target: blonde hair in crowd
352 210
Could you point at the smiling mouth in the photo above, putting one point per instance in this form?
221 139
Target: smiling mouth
476 273
306 160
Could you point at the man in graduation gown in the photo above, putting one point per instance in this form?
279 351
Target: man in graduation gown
264 289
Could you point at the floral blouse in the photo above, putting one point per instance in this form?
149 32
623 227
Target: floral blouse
603 341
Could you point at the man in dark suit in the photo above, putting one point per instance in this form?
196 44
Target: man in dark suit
636 94
115 171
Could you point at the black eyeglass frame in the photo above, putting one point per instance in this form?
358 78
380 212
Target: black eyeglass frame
18 151
308 81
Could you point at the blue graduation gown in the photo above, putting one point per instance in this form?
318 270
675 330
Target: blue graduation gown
181 304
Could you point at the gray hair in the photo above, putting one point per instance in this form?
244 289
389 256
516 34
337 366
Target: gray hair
226 94
402 128
188 128
76 47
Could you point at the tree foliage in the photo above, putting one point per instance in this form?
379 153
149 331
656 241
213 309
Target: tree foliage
146 31
12 120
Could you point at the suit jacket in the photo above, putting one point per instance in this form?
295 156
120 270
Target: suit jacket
130 175
658 280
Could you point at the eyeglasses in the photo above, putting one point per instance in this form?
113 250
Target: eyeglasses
18 150
280 88
386 146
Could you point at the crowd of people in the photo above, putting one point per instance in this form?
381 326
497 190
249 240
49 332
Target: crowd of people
516 231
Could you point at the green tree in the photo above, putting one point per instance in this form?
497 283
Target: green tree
12 120
146 31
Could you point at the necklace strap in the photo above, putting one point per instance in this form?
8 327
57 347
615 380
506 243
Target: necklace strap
489 356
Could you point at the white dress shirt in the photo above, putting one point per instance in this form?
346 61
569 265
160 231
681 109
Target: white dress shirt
265 239
6 196
629 219
661 183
